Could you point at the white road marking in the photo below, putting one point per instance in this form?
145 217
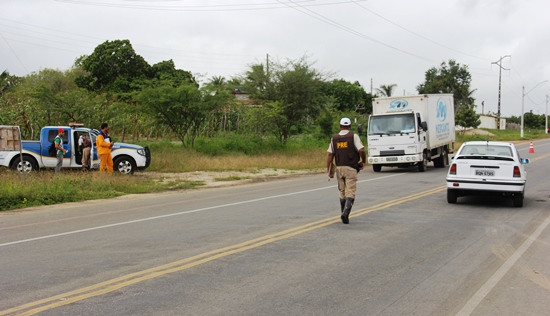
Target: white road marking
182 213
501 272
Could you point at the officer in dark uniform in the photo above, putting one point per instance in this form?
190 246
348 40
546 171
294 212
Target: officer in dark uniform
345 150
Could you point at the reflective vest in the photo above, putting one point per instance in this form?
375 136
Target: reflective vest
343 148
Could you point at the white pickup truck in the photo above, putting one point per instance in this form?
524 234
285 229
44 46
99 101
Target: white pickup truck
127 158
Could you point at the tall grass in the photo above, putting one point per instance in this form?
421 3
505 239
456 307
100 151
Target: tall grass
238 153
503 135
47 188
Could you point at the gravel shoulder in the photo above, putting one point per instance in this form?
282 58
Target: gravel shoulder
213 179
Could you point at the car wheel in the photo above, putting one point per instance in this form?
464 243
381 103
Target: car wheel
376 168
423 164
451 196
28 164
518 200
125 165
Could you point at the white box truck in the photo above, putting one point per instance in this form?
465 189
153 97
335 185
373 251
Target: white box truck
411 131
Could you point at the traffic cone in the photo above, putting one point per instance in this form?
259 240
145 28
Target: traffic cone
531 148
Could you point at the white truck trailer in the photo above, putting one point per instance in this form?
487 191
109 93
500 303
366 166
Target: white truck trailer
411 131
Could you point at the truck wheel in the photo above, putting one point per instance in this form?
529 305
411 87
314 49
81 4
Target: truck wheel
28 165
376 168
518 200
438 162
125 165
423 164
451 196
442 160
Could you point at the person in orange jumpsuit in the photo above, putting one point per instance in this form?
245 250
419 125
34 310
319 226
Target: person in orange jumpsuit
104 145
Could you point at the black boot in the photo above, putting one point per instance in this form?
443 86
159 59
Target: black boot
342 205
347 210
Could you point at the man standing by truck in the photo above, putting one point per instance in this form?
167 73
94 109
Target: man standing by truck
60 150
104 145
345 149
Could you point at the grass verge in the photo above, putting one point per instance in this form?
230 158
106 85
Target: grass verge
47 188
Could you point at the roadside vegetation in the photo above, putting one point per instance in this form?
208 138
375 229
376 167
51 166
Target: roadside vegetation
230 153
277 115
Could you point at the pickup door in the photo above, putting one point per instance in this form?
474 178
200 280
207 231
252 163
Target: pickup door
47 137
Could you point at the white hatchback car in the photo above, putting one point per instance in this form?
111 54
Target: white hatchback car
487 168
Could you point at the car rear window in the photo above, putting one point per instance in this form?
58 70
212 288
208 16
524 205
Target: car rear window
488 150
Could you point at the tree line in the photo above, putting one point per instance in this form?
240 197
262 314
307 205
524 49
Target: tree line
141 101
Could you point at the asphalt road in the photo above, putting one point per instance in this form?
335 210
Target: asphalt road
279 248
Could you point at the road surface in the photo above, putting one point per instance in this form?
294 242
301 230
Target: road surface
279 248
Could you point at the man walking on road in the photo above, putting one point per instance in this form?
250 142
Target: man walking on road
345 149
104 145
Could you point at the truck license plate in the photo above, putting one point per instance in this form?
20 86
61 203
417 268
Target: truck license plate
485 173
391 159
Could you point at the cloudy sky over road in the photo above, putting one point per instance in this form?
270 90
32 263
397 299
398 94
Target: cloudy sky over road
378 41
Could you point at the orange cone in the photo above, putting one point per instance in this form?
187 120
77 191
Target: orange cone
531 148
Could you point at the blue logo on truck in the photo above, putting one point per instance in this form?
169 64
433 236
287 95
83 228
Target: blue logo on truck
398 104
441 109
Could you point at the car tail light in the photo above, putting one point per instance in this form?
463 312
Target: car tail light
517 173
453 169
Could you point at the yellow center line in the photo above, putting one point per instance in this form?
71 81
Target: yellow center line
539 158
180 265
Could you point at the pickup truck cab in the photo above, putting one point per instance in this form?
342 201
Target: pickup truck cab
127 158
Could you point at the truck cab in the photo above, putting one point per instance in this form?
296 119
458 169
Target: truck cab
396 138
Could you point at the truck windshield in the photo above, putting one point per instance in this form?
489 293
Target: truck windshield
392 124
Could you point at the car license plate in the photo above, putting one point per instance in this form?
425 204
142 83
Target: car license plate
485 173
391 159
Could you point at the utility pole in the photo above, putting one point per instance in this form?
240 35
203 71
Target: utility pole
267 65
371 87
546 126
498 63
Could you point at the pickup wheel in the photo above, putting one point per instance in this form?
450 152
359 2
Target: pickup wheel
451 196
376 168
28 164
125 165
423 164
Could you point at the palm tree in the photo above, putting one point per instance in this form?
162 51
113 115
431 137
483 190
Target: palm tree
386 90
217 81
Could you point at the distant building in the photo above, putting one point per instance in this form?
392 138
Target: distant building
490 121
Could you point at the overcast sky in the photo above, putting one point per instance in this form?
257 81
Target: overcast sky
378 41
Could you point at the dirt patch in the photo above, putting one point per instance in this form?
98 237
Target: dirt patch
476 131
212 179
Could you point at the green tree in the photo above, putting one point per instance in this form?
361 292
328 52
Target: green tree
113 66
184 109
386 90
166 70
348 96
535 121
8 82
291 95
467 117
452 78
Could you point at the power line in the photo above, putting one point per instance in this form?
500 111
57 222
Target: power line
205 8
333 23
416 34
16 56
